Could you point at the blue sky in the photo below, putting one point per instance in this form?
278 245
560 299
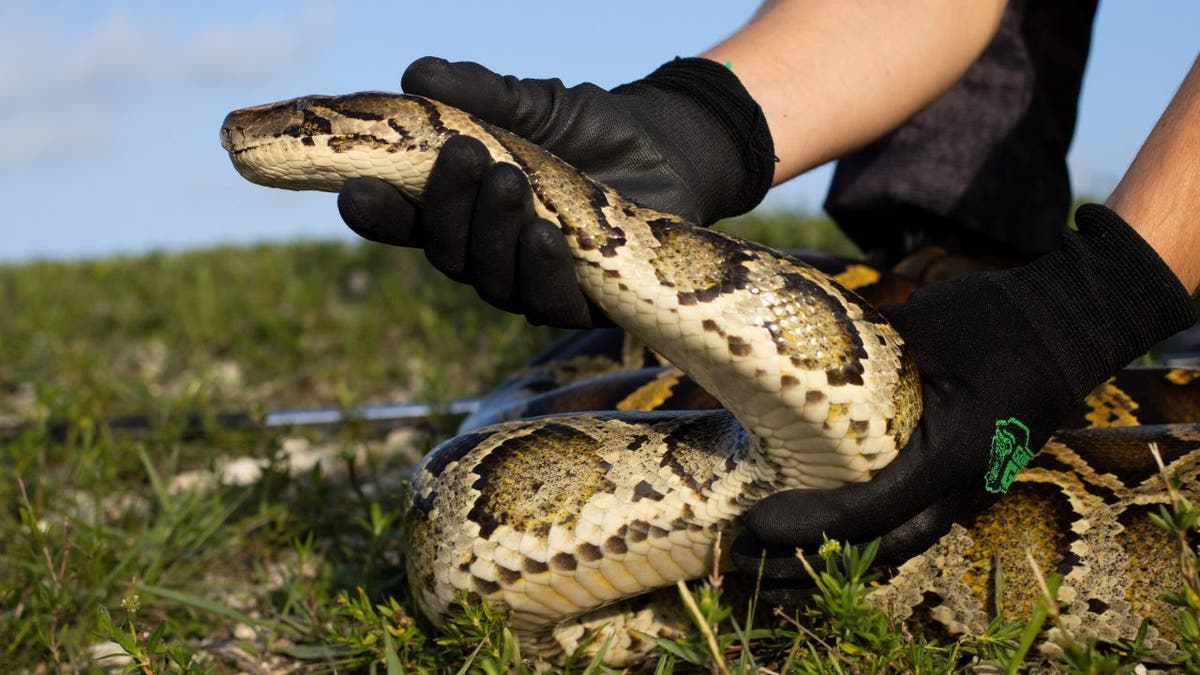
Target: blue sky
109 110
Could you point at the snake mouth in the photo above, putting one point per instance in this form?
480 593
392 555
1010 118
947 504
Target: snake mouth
235 138
227 141
243 149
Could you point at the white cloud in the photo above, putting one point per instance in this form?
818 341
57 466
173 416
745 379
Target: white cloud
63 92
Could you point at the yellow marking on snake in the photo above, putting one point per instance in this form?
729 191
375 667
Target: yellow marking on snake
857 276
1182 376
651 395
1109 406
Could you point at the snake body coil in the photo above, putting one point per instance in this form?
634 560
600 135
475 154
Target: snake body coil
567 521
557 517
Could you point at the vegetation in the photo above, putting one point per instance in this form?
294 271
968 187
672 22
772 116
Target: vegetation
277 550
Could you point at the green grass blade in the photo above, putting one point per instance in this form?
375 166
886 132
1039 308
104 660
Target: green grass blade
202 604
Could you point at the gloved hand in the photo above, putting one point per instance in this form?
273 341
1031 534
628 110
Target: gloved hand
997 381
687 139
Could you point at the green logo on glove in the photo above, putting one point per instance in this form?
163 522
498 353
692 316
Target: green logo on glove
1010 454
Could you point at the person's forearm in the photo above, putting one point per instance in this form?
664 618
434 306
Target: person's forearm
1159 196
831 76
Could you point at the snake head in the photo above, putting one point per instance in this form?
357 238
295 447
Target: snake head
318 142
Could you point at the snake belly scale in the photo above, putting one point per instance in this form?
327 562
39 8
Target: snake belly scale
556 519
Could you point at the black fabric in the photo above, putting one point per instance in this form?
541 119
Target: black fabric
715 90
982 170
1023 345
687 139
1102 300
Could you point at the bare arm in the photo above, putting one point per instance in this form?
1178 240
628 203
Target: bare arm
833 76
1160 193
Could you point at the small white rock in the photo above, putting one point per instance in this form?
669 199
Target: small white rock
244 632
241 471
109 655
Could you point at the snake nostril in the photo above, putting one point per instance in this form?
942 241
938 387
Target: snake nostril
227 134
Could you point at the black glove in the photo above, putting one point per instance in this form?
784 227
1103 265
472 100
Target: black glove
687 139
1004 357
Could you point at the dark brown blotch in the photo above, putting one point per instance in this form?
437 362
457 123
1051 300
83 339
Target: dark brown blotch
532 566
484 587
841 376
644 490
356 141
400 130
507 577
589 552
563 561
738 346
357 114
615 546
312 124
453 451
433 115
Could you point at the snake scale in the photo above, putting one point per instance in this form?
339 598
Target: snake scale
566 522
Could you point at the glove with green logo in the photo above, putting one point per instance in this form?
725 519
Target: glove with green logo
687 139
1004 357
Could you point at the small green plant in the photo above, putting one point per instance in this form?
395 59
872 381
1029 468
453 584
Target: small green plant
840 631
145 651
379 631
477 637
1180 519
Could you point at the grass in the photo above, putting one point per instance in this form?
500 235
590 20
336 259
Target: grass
101 531
278 551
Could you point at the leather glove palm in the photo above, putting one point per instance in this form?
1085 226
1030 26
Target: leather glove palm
687 140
